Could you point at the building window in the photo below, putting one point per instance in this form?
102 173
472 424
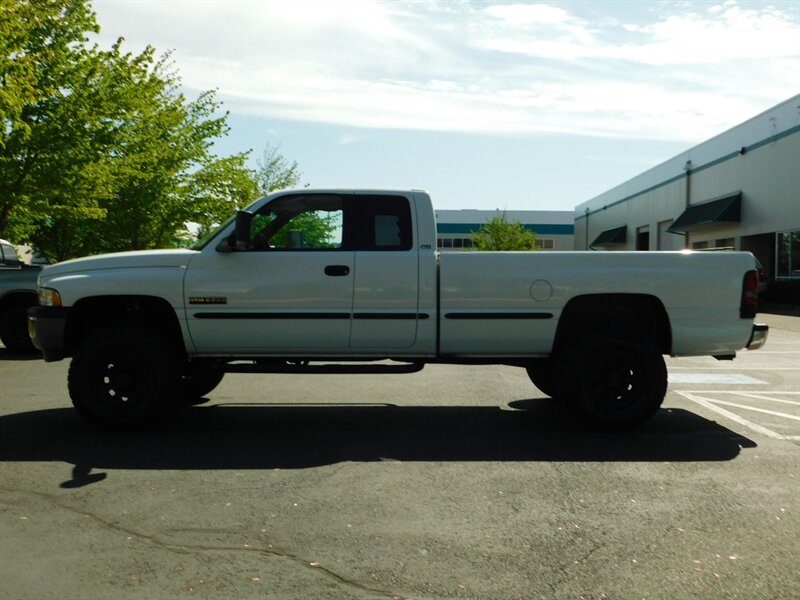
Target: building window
459 243
787 253
726 243
699 245
468 243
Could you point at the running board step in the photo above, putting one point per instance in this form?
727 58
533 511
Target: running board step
326 369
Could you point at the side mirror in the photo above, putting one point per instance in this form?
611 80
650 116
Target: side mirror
240 238
244 220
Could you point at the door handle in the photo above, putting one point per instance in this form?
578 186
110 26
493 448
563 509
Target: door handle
337 270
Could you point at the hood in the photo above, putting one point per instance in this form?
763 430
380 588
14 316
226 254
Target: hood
123 260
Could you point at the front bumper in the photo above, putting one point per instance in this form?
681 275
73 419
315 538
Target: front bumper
47 326
758 337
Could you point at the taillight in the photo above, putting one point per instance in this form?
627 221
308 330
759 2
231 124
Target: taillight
749 305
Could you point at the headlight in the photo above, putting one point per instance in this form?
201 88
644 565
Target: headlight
49 297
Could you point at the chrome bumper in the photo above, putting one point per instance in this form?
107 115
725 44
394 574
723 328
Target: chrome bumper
759 336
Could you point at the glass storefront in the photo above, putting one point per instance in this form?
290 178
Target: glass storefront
787 255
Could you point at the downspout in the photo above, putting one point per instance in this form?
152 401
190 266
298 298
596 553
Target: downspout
688 168
587 230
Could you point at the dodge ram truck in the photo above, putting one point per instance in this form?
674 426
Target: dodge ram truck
350 281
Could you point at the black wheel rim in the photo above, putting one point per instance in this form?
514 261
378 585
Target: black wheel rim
119 386
615 383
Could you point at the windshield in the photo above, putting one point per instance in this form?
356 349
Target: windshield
204 241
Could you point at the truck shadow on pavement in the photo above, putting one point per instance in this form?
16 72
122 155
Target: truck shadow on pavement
268 436
6 354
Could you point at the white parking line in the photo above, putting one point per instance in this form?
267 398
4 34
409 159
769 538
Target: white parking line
749 393
762 397
718 378
755 409
734 367
712 404
760 352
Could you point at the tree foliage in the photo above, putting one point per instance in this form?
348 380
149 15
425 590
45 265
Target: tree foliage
275 172
318 229
501 234
99 149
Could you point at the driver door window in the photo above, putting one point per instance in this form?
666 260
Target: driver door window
295 225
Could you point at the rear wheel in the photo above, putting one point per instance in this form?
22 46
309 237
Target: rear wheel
613 382
122 379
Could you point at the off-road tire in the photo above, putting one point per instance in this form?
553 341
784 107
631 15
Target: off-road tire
613 382
122 379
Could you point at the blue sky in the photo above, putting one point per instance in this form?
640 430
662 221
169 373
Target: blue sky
509 105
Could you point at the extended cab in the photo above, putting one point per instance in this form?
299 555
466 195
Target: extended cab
335 281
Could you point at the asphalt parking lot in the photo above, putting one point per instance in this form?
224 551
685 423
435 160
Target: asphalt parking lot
456 482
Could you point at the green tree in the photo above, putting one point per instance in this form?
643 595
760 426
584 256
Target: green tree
165 175
99 151
275 172
318 229
501 234
57 112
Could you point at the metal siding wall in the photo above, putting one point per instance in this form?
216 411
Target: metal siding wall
767 173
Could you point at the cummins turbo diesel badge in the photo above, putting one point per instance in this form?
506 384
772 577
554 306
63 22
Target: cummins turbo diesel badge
208 300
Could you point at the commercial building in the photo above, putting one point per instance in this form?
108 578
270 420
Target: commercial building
740 190
456 228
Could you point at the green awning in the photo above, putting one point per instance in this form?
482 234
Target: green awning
611 237
727 209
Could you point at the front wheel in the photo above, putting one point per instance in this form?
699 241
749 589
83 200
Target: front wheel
121 379
613 382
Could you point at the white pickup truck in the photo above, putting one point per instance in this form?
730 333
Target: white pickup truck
343 281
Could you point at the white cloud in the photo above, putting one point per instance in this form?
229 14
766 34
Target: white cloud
528 14
508 68
724 33
717 37
349 138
